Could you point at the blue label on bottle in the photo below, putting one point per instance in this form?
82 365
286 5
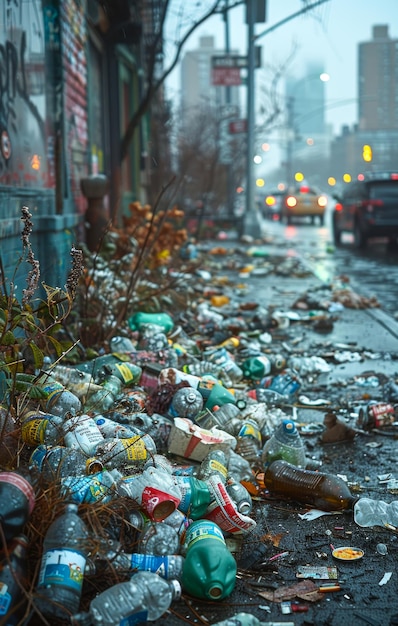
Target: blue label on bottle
87 489
134 619
5 599
150 563
62 567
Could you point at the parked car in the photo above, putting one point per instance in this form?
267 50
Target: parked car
368 208
304 202
272 205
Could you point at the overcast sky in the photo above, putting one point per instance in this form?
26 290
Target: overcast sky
328 34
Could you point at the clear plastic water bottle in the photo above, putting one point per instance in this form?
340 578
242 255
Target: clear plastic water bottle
145 597
239 495
168 566
13 580
286 444
104 398
215 462
130 452
65 551
249 440
369 513
38 427
59 400
186 402
54 463
81 431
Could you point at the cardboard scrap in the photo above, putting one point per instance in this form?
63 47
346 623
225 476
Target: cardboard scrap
305 590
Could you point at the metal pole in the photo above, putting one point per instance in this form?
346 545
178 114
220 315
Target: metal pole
251 221
229 178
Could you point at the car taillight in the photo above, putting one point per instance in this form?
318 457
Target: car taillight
338 206
370 205
322 201
291 201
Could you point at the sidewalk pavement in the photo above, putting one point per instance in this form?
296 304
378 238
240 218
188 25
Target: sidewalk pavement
269 558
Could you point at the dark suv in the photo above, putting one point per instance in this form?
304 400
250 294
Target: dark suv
368 208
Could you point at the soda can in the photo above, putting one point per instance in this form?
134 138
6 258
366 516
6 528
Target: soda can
377 415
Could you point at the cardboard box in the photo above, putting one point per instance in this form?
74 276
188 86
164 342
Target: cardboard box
190 441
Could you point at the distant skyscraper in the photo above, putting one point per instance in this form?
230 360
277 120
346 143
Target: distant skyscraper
378 81
307 100
196 86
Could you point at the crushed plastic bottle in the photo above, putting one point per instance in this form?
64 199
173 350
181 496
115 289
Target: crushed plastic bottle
286 444
369 513
143 598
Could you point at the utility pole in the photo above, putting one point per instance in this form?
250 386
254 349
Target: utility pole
251 220
229 180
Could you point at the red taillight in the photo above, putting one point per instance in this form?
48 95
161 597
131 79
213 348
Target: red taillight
369 205
291 201
338 207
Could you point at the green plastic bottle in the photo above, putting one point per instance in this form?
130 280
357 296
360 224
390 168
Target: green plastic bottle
195 498
140 318
214 393
209 570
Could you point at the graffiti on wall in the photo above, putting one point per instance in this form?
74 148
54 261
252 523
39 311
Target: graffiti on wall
23 141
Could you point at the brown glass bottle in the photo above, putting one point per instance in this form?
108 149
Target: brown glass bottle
322 491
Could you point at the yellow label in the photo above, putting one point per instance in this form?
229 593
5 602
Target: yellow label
218 467
33 431
135 448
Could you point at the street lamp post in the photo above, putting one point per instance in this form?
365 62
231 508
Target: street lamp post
251 220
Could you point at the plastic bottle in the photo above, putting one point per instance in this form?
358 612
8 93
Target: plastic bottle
285 443
130 452
128 373
137 533
195 496
154 490
59 400
240 495
143 598
323 491
141 318
256 367
104 398
249 440
13 579
110 429
186 402
81 431
239 467
215 394
38 427
209 570
121 345
215 462
99 487
54 463
369 512
17 499
65 551
220 416
168 566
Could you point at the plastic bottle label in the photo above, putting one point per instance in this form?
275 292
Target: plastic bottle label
158 504
126 372
135 619
62 567
250 430
33 431
135 448
87 489
53 390
150 563
203 530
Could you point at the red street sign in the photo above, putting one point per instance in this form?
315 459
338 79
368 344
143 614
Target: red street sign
238 126
226 76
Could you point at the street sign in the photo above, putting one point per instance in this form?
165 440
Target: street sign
229 60
226 76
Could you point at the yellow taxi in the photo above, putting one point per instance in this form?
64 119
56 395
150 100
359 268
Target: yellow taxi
304 201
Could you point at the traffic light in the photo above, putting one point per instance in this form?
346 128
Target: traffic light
367 153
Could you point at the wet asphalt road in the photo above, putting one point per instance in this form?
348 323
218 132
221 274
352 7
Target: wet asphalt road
363 598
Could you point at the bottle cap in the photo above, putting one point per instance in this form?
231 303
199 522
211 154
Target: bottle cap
176 589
